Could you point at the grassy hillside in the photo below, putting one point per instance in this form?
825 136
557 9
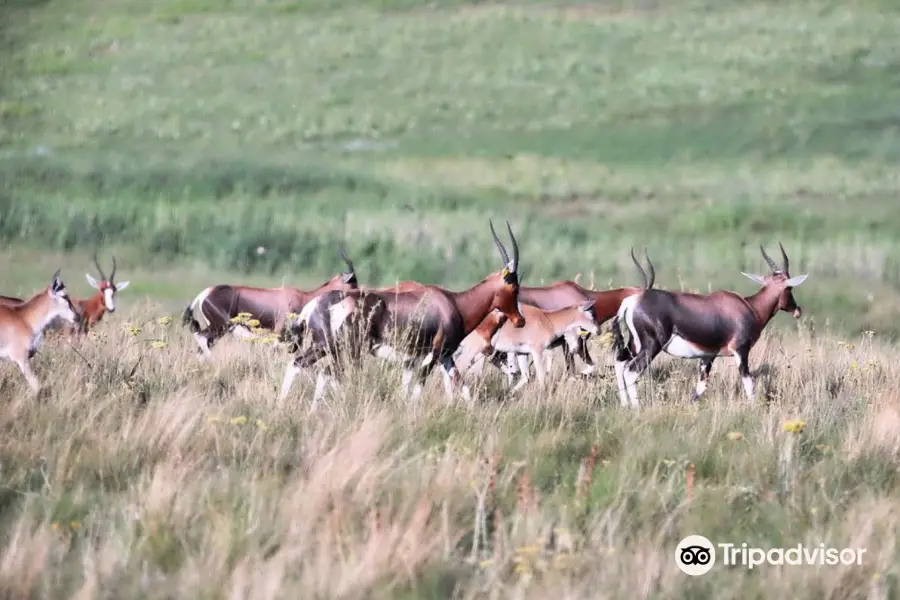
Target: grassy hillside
198 131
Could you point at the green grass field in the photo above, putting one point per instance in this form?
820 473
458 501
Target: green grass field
182 135
697 131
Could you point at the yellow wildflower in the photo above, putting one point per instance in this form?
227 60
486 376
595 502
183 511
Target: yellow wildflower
133 330
794 426
75 525
238 420
261 425
164 320
734 436
158 344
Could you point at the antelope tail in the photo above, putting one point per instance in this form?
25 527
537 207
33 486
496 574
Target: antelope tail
618 339
193 315
621 350
292 335
187 319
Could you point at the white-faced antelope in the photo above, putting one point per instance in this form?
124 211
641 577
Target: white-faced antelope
689 325
210 314
432 321
92 309
564 294
544 331
22 325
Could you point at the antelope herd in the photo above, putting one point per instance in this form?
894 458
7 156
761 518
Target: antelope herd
421 326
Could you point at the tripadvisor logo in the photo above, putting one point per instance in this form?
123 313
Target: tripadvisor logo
696 555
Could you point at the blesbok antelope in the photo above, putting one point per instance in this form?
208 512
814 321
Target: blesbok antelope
22 325
688 325
435 321
545 330
92 309
210 313
564 294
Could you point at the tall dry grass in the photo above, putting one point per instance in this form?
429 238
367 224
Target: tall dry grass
142 472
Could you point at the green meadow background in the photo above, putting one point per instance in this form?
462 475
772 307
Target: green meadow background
184 134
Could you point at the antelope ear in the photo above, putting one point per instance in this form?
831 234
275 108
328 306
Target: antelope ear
757 278
797 280
122 285
92 282
57 283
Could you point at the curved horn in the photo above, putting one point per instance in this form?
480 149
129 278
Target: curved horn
112 276
639 268
652 270
515 244
500 247
97 264
347 260
56 275
784 259
769 260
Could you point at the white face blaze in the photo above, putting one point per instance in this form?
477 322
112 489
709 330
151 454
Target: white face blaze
109 299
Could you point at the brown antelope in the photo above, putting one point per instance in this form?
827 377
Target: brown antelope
437 319
22 326
545 330
564 294
92 309
689 325
210 314
568 293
